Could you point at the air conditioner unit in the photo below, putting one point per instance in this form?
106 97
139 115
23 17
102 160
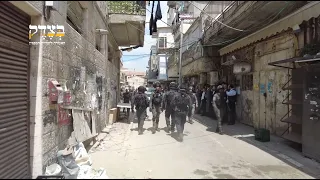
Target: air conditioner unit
241 68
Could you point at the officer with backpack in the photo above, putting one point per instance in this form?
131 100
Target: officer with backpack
166 104
140 101
182 105
155 106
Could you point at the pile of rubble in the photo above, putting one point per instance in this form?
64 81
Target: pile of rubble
75 163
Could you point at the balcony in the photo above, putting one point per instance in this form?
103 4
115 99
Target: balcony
127 22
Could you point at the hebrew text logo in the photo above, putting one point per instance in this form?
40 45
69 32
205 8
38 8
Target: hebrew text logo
51 32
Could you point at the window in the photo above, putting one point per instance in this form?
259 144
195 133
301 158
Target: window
247 82
162 42
75 16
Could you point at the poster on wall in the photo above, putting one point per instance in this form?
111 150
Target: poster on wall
162 67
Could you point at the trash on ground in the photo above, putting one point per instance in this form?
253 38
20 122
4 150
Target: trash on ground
53 170
81 155
87 172
69 167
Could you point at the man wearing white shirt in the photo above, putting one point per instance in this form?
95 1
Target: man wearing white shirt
203 102
231 102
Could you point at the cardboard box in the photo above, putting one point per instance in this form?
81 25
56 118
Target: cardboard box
112 115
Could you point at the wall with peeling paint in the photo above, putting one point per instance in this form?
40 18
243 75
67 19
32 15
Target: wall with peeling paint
79 67
262 106
253 107
270 108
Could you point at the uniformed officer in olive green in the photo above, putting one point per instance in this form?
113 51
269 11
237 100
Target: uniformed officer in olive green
155 106
217 107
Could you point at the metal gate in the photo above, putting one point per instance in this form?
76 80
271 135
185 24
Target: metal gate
14 92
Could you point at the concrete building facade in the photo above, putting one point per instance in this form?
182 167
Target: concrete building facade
197 64
262 64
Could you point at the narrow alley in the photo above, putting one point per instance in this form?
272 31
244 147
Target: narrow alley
202 154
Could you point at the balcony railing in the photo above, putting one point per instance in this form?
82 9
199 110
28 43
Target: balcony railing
127 7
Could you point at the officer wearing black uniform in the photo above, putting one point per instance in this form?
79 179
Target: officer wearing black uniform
155 105
182 105
167 97
140 101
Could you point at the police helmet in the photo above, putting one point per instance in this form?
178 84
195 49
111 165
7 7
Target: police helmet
183 88
156 84
173 85
141 89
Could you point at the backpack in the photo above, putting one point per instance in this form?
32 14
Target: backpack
169 97
157 99
182 104
141 101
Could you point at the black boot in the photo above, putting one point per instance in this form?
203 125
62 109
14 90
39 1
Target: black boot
180 137
154 127
172 128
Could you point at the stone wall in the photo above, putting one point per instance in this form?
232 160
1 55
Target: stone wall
79 67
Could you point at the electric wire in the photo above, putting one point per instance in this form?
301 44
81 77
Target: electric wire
252 28
140 58
217 19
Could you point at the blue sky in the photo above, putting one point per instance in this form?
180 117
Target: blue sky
140 63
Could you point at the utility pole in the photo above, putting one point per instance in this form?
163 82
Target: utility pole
180 56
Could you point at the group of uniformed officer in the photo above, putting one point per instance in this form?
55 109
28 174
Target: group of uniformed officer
178 104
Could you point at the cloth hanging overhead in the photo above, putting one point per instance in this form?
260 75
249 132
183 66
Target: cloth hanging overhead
158 16
151 19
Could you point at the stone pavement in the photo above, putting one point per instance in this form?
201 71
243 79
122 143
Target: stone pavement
203 154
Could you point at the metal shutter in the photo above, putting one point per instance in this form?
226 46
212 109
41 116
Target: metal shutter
14 92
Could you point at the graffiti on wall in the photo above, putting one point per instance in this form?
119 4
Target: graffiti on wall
270 87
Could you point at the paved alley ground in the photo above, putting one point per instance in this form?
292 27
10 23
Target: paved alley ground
202 155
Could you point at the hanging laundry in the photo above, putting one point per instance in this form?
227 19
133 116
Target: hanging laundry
157 17
151 19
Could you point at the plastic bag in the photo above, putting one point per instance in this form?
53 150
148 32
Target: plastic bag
69 167
53 170
81 155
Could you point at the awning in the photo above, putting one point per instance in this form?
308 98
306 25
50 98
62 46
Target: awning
295 60
305 13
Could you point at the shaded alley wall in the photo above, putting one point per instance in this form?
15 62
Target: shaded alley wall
79 67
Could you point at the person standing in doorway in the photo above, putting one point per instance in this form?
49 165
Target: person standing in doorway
231 103
155 106
218 110
181 103
140 101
